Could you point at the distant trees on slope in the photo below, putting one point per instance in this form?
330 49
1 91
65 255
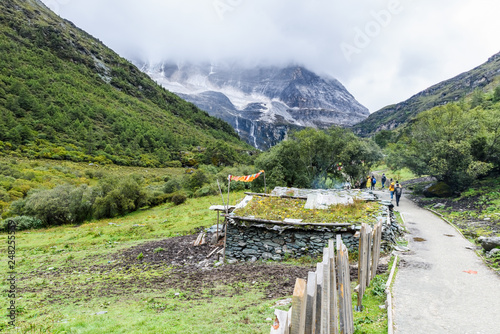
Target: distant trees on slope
315 158
457 143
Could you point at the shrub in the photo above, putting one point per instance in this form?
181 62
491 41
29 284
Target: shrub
171 186
207 190
22 223
118 197
196 180
159 199
178 198
61 205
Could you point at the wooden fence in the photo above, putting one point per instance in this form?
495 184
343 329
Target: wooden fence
322 304
369 255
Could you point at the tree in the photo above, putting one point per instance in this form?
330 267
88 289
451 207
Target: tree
311 157
441 142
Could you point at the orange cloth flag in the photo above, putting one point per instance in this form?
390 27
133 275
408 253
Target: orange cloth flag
245 178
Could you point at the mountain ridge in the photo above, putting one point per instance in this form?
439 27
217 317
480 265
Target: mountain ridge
65 95
450 90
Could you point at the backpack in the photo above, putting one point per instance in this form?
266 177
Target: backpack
374 180
399 190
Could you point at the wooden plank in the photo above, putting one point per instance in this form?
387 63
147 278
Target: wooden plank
269 195
362 261
377 239
325 302
279 222
212 252
310 327
369 233
299 307
346 315
340 264
319 295
280 325
334 328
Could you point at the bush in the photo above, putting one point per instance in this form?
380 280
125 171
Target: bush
61 205
159 199
207 191
178 198
171 186
173 164
118 197
22 223
196 180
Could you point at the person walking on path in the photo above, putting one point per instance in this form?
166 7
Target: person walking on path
368 182
374 181
398 191
384 178
391 189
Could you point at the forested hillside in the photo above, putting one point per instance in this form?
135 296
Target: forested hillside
65 95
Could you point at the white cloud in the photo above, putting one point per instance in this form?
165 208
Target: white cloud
419 43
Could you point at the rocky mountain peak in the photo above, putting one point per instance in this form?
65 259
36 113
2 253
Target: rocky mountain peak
261 103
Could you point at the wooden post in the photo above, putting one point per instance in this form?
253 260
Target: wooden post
225 241
221 195
218 214
280 325
377 238
228 187
265 188
310 327
325 298
334 329
299 307
346 316
319 295
362 266
369 255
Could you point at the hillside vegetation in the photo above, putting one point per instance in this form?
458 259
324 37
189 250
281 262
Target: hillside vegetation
456 143
64 95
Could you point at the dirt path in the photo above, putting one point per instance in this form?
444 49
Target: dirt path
442 286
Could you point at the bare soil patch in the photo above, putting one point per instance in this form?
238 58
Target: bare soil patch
176 267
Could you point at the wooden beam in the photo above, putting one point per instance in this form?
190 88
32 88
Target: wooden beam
299 307
280 325
311 304
281 196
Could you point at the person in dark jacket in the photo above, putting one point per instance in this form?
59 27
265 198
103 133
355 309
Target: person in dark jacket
398 190
384 178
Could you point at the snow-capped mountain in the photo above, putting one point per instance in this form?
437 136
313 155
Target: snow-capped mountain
261 103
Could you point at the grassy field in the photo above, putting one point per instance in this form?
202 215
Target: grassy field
70 279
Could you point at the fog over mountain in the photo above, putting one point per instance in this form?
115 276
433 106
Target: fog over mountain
383 51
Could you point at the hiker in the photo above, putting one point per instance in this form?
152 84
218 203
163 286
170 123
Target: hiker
368 182
383 180
374 181
398 190
391 188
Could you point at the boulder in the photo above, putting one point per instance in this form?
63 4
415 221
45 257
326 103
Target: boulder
489 243
439 189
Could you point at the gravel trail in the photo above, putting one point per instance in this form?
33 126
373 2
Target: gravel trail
442 285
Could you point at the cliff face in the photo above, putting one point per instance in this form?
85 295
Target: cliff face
262 103
444 92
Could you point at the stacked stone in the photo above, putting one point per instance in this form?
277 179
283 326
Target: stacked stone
252 243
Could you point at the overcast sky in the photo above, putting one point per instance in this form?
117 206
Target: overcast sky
383 51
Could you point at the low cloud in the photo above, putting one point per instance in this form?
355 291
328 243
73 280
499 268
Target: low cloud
398 47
